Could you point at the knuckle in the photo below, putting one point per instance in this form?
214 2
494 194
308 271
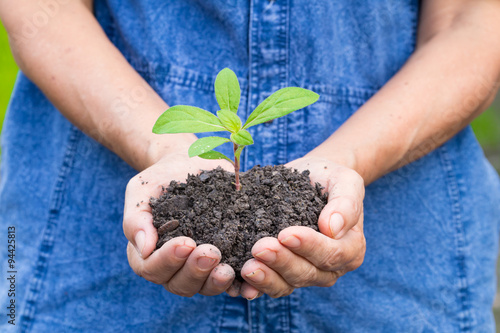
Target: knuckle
357 262
178 290
353 265
329 284
150 276
329 281
281 293
363 244
359 183
350 176
306 278
127 222
361 188
210 292
354 177
129 229
359 259
349 203
136 271
332 259
358 227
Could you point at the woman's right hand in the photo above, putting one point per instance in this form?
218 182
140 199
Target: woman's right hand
181 266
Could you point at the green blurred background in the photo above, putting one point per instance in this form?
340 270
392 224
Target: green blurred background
8 70
486 126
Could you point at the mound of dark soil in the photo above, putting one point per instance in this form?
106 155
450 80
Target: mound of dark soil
208 209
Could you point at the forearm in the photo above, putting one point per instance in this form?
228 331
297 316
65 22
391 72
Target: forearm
450 79
90 82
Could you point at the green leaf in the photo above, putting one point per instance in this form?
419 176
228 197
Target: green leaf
242 138
238 151
230 120
227 90
187 119
281 103
215 155
204 145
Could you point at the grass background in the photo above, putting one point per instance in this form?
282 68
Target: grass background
8 71
486 126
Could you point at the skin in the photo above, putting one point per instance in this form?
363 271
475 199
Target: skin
85 76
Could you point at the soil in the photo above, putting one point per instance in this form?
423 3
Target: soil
208 209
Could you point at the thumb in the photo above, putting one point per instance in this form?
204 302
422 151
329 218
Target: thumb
137 216
345 204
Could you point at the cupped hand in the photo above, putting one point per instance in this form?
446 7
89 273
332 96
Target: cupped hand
179 265
302 257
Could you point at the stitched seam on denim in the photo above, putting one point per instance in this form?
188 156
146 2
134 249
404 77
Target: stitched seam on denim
285 315
244 156
172 74
465 316
222 316
252 101
193 79
294 303
287 71
250 318
415 11
282 64
46 246
333 93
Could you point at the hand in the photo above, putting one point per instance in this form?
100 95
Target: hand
179 265
302 257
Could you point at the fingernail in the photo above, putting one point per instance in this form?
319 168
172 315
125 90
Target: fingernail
205 262
267 256
257 276
183 251
220 283
256 296
140 241
291 241
336 224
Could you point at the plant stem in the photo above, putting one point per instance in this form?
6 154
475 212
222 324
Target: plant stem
236 168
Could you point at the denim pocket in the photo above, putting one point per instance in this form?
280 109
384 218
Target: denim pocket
183 86
311 126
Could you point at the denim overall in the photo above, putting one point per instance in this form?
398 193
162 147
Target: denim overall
432 227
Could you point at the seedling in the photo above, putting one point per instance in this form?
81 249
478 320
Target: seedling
190 119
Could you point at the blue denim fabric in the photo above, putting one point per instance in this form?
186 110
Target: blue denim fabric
432 227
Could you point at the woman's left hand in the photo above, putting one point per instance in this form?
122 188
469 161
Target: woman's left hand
302 257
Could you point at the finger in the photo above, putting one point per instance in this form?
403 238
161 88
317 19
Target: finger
265 279
345 203
162 265
220 280
192 276
324 252
137 219
249 292
234 289
294 269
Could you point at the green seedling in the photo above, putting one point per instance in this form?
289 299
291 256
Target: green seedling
190 119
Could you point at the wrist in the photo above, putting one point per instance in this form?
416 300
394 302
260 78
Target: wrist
345 158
